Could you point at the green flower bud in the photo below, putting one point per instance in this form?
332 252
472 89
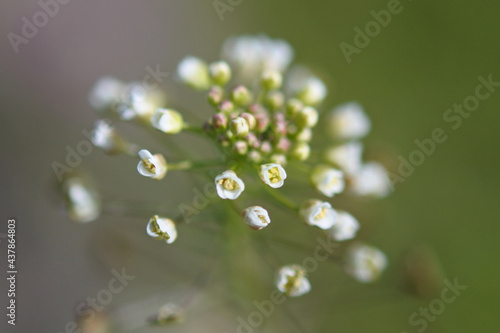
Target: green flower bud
293 106
271 80
240 147
306 117
300 151
220 72
239 127
241 96
215 95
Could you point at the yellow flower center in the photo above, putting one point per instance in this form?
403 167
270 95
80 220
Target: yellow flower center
229 184
150 166
262 218
321 214
293 281
274 175
157 230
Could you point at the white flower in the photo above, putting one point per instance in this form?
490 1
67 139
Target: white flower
348 156
170 313
239 127
105 137
348 122
162 228
365 263
83 200
371 180
167 121
272 174
253 54
139 102
345 228
106 92
256 217
228 185
153 166
318 213
307 87
194 72
327 180
292 281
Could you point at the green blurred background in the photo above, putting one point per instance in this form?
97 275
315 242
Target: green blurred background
424 61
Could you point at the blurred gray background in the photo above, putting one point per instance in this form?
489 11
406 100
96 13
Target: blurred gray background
424 61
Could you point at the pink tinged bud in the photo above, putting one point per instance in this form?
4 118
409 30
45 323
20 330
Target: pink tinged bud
266 147
283 145
219 121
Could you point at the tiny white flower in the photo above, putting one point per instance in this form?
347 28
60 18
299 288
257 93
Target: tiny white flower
371 180
220 72
139 102
348 156
300 82
83 200
345 228
162 228
153 166
167 121
228 185
318 213
365 263
239 127
106 92
292 281
348 122
256 217
194 72
327 180
272 174
170 313
105 137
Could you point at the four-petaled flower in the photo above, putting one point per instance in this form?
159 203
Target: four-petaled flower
162 228
292 281
272 174
345 228
318 213
153 166
327 180
228 185
167 121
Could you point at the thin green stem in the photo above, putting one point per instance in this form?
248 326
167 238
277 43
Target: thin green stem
282 199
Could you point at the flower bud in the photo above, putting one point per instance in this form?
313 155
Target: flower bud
304 135
272 174
279 125
105 137
292 281
365 263
266 147
215 95
271 79
219 121
283 145
226 107
306 117
254 156
167 121
228 185
300 151
293 106
239 127
318 213
106 93
250 118
313 92
256 217
82 199
252 141
328 180
275 100
153 166
240 147
241 96
194 72
162 229
345 228
278 159
220 72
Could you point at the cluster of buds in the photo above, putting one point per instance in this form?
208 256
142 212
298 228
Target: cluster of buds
262 118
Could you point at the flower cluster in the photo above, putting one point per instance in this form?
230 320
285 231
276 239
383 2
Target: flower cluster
263 113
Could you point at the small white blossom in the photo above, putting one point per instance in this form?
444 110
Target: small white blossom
365 263
106 92
345 228
253 54
167 121
318 213
300 82
256 217
348 156
371 180
272 174
169 313
162 228
292 281
153 166
83 200
138 102
327 180
239 127
228 185
105 137
194 72
348 122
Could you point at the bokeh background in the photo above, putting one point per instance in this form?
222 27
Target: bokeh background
424 61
